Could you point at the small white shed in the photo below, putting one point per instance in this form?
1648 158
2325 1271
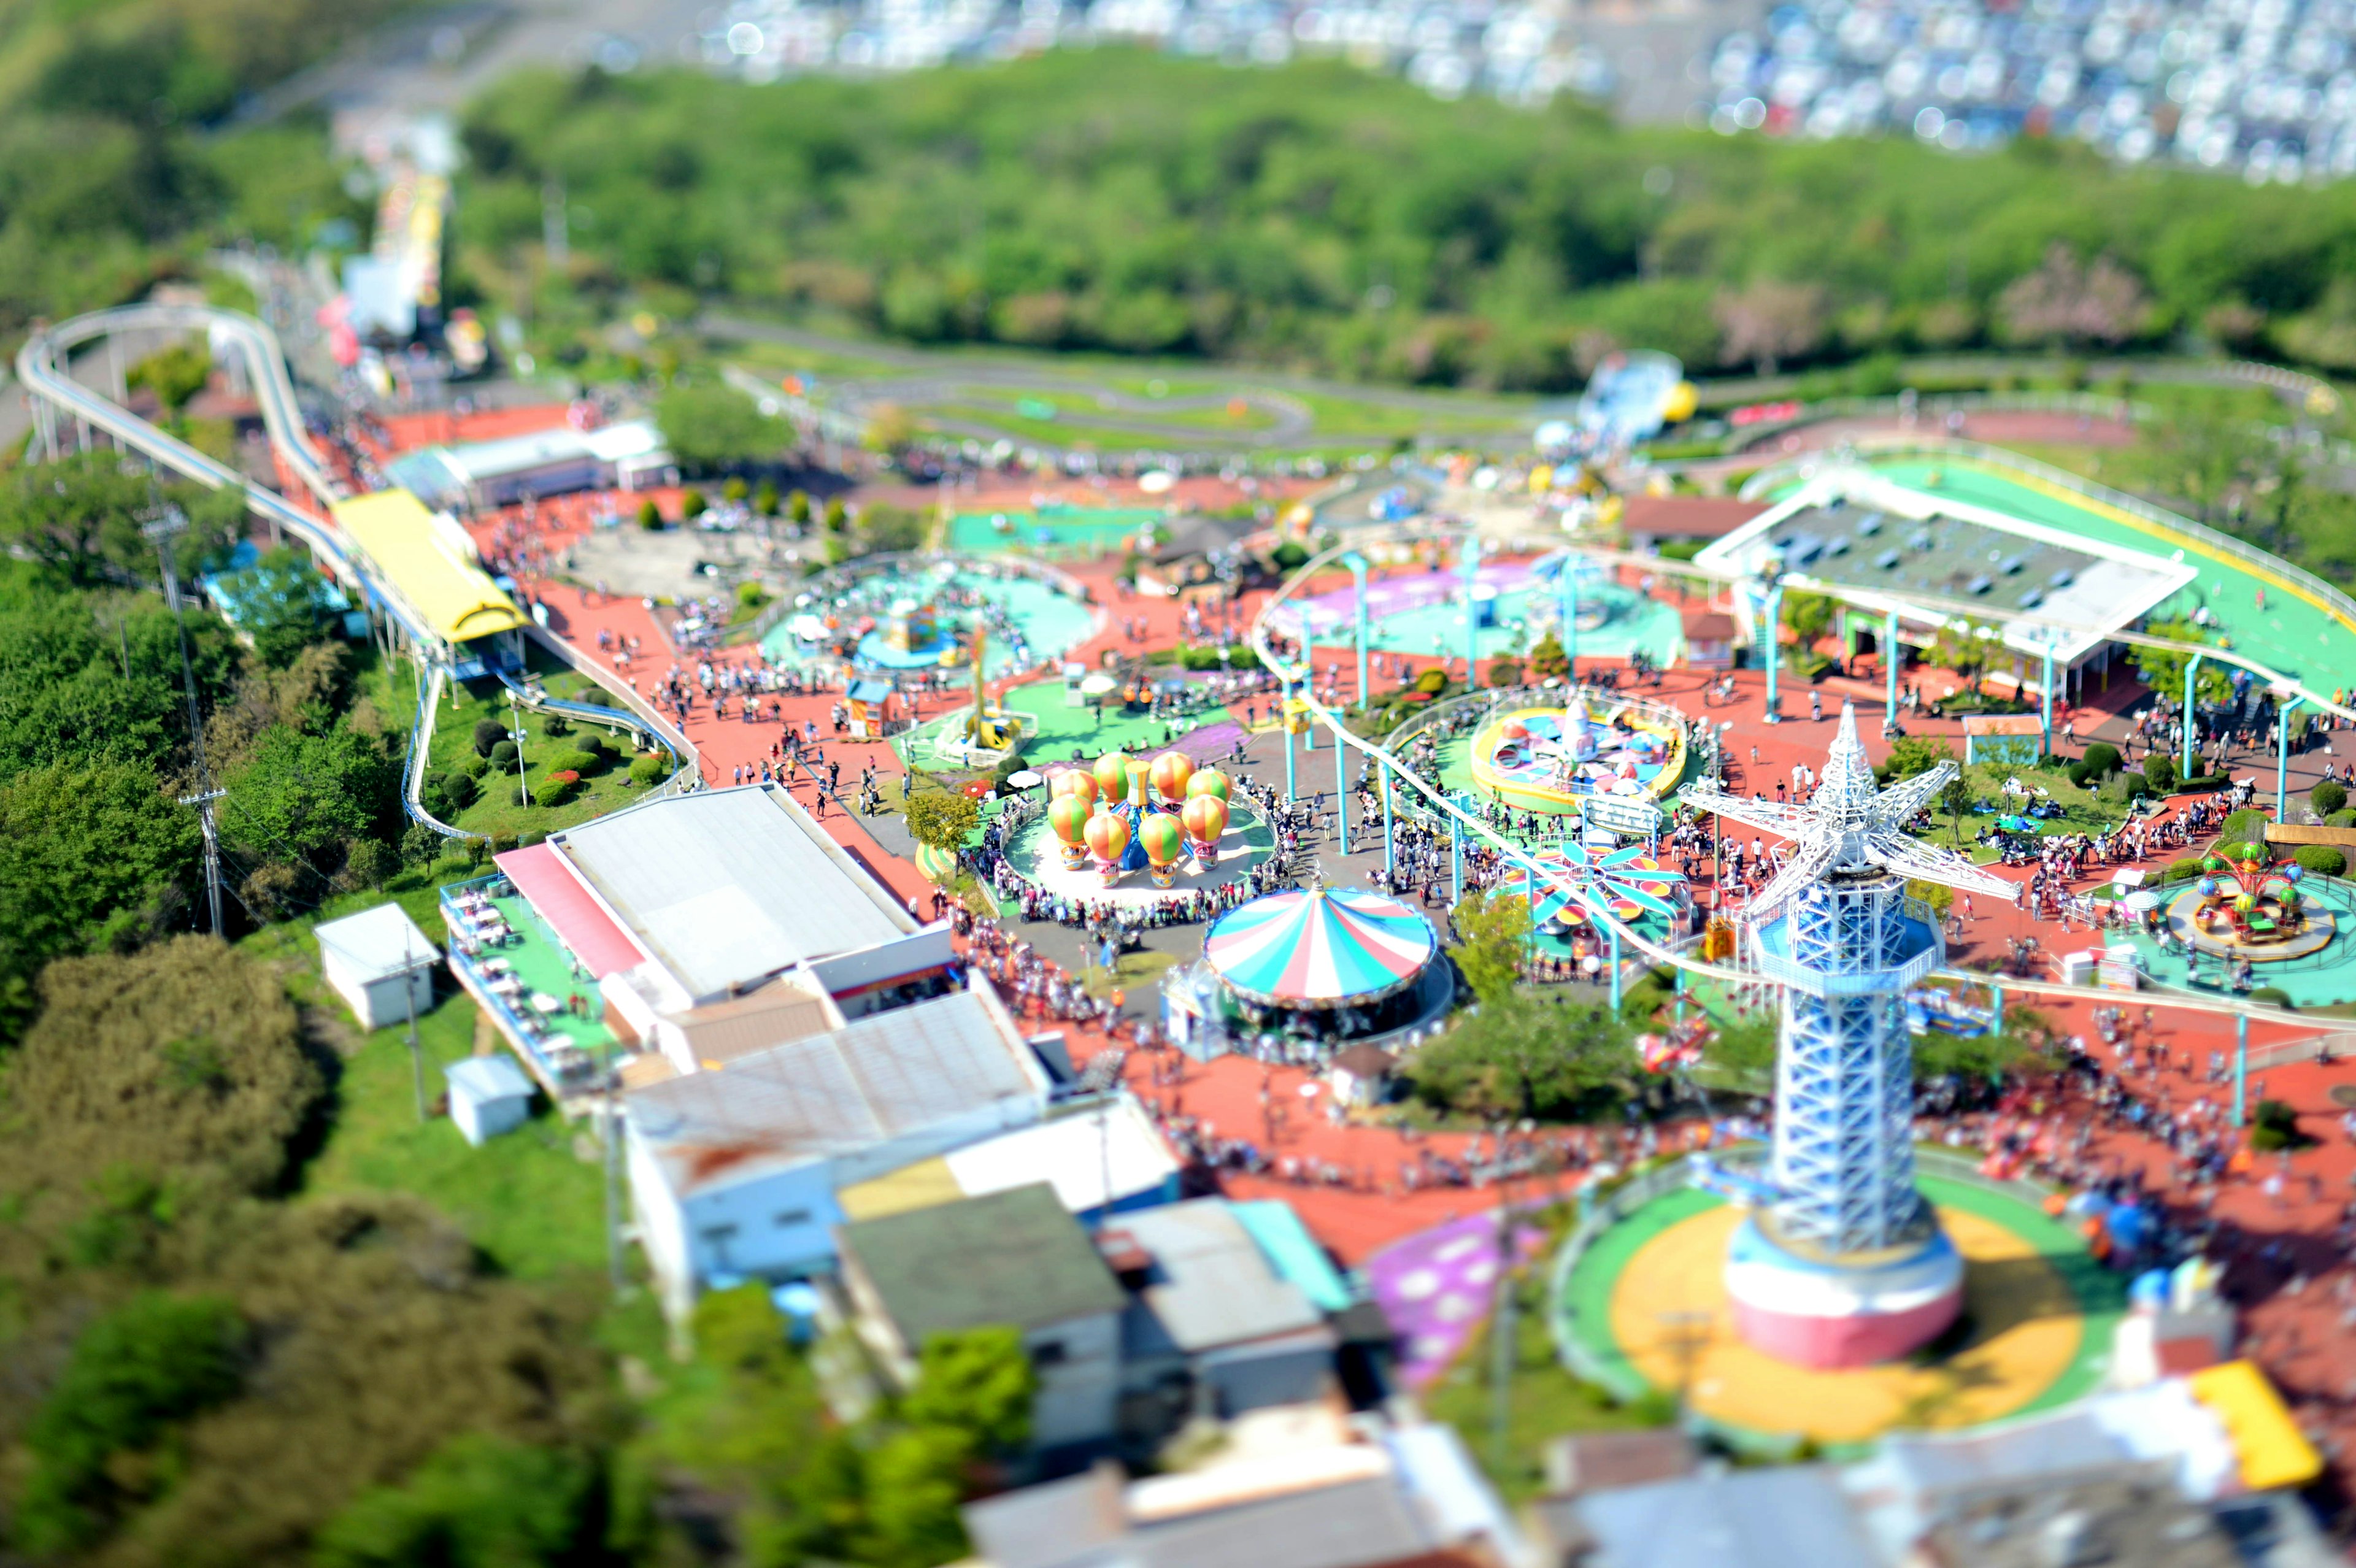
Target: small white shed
371 956
489 1095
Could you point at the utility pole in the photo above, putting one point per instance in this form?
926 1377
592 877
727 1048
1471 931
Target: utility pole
162 523
408 999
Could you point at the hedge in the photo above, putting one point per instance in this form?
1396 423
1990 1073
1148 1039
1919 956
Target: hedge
649 771
2323 860
2182 870
2159 773
2328 796
2244 825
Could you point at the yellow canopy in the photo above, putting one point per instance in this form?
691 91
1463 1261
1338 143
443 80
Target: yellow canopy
427 560
2271 1450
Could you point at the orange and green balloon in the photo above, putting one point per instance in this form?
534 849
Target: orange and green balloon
1069 817
1209 782
1158 833
1107 834
1206 817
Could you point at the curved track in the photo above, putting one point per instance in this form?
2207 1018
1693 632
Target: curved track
1296 674
41 367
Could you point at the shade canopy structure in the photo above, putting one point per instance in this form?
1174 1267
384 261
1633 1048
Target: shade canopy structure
1320 947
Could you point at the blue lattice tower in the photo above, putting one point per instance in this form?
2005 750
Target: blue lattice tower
1842 1262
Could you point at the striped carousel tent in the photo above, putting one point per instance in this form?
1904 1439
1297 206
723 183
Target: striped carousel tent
1320 947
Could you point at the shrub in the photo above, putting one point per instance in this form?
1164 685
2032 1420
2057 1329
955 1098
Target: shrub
2246 850
473 767
764 500
2183 871
649 771
2132 785
735 490
557 789
2323 860
503 755
555 725
2159 773
1432 681
2341 820
1288 556
650 515
2273 1126
2328 796
2271 995
488 733
2246 824
458 790
2101 757
693 505
579 764
751 594
1505 672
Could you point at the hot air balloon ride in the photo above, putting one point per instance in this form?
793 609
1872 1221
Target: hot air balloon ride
1078 781
1208 781
1172 771
1068 818
1108 840
1205 818
1112 776
1163 844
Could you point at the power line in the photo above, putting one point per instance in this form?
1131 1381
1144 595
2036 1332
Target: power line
161 523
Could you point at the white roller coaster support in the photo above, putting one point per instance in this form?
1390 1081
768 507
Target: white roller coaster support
1595 909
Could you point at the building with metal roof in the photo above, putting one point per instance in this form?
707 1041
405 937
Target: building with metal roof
553 462
428 561
735 1170
724 889
1933 560
1012 1259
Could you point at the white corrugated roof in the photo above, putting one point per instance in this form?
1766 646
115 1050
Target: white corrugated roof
376 943
875 1079
1072 1154
725 886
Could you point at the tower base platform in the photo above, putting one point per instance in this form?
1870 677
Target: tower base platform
1838 1314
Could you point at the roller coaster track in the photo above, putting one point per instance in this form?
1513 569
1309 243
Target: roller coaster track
1296 673
41 368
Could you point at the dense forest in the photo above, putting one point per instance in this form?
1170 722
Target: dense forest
1323 218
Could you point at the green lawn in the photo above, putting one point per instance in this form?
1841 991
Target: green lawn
495 809
2084 810
535 1207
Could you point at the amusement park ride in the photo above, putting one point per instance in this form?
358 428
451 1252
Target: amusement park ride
1127 815
1841 1262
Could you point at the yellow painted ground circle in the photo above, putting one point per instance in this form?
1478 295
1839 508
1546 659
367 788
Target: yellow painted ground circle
2027 1325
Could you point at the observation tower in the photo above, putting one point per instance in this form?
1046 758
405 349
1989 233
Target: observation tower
1841 1262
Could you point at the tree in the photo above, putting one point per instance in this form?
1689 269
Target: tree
914 1480
298 794
1492 932
2065 301
135 1372
92 859
76 690
940 820
1548 658
1810 616
2162 669
280 603
176 375
1770 321
978 1382
1912 755
79 518
478 1502
183 1060
711 426
1521 1055
896 529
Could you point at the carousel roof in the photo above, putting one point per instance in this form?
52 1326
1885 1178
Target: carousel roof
1320 947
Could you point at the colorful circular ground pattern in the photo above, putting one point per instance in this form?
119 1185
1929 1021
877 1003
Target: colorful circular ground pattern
1650 1298
1550 759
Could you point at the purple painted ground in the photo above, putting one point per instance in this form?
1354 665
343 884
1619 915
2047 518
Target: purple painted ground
1331 612
1436 1287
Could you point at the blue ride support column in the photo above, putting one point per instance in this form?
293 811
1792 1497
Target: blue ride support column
1285 721
1341 789
1471 569
1772 639
1890 672
1455 860
2241 1067
2283 707
1390 825
2046 694
1357 565
2184 764
1614 931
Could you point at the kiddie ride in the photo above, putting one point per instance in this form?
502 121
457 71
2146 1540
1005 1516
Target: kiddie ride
2251 907
1126 815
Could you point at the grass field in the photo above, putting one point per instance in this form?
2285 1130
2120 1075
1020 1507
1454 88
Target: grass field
495 809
